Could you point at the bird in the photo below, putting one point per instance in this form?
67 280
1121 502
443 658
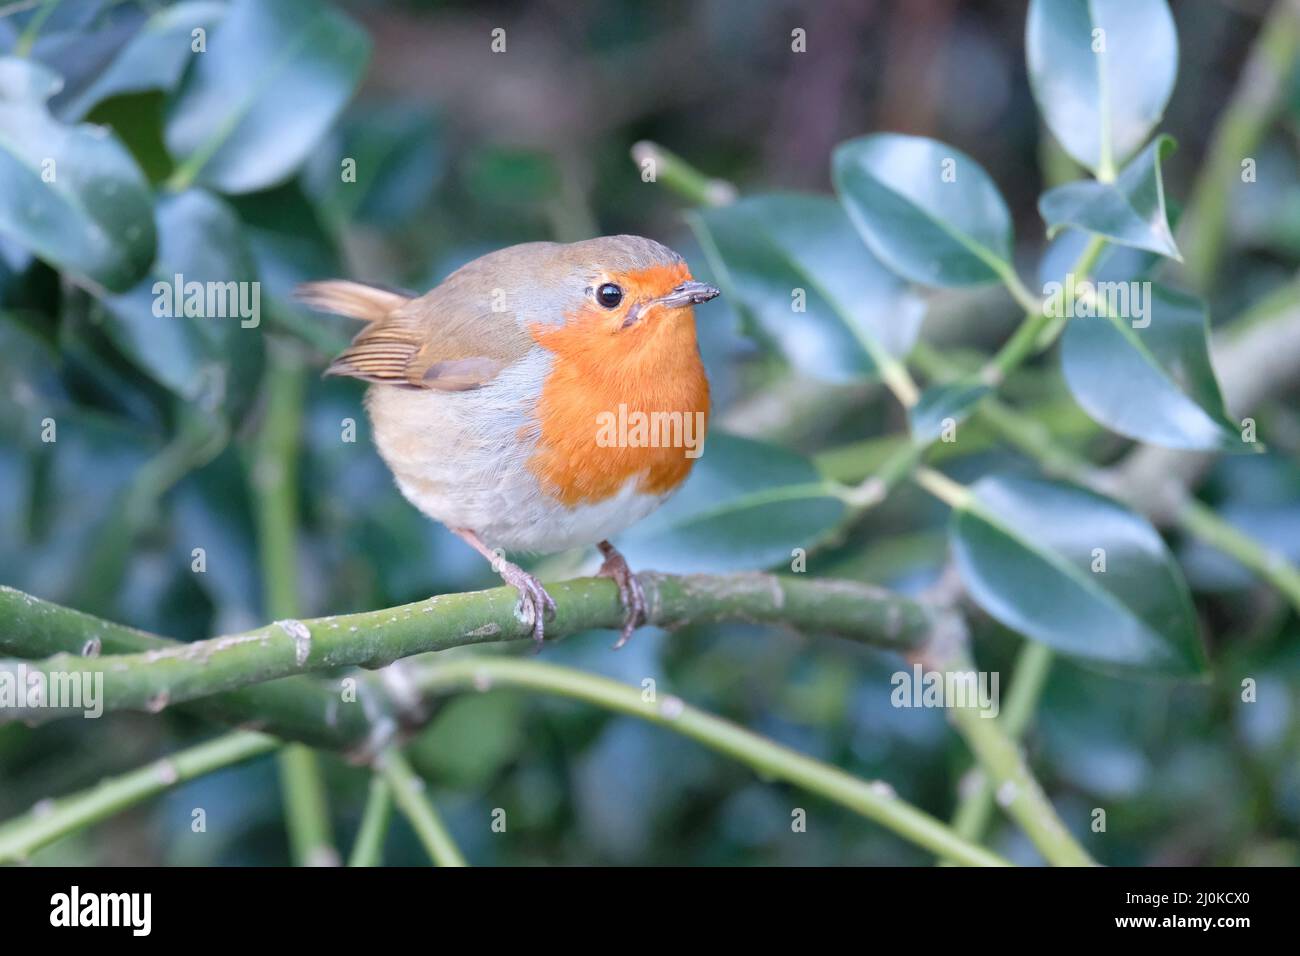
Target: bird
495 398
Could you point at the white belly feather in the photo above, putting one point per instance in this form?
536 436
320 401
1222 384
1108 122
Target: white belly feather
461 458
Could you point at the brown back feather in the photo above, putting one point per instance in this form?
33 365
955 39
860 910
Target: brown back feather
449 339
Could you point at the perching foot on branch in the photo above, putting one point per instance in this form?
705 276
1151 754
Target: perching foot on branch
629 590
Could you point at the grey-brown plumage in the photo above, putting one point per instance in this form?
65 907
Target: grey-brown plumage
475 323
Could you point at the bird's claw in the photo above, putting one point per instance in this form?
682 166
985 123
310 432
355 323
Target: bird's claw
630 592
535 604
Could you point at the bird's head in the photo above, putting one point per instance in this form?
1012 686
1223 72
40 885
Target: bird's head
632 284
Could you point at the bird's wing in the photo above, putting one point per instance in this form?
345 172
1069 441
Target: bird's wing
446 340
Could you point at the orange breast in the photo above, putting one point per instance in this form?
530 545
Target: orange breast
611 397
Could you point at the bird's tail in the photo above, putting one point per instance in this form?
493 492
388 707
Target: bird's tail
354 299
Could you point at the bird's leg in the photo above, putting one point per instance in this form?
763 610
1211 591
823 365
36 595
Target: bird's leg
532 596
629 590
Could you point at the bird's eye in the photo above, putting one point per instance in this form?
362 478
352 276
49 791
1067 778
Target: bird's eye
609 295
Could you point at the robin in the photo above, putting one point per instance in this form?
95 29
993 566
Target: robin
491 397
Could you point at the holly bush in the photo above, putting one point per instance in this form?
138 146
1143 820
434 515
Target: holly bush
1091 510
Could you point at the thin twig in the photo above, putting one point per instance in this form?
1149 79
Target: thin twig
874 800
51 819
369 847
274 481
408 793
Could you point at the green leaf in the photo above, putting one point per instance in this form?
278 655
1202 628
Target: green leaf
747 505
290 246
1027 548
1131 211
938 403
153 59
1101 105
71 194
400 160
274 78
927 210
472 741
1152 383
1115 264
781 253
208 359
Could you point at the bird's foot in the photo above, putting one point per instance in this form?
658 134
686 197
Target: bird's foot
629 590
534 603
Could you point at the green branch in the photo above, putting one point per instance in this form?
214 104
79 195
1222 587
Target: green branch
369 847
680 176
298 708
274 481
1201 521
1033 664
50 820
1172 504
171 673
876 801
408 792
1016 789
992 741
1259 96
1040 326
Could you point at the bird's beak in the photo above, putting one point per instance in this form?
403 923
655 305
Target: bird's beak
688 293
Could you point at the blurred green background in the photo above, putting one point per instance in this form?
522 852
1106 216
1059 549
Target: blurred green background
461 150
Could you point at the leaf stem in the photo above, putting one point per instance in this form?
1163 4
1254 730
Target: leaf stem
1032 304
876 801
950 492
408 793
1200 520
1031 335
876 487
680 176
28 39
369 847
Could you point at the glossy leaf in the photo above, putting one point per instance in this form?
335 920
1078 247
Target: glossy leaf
274 78
939 404
1152 383
927 210
211 359
747 505
400 161
796 265
1101 72
153 59
1131 211
1027 549
70 194
288 241
1115 264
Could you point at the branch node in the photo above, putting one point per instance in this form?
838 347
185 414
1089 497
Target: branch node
301 639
